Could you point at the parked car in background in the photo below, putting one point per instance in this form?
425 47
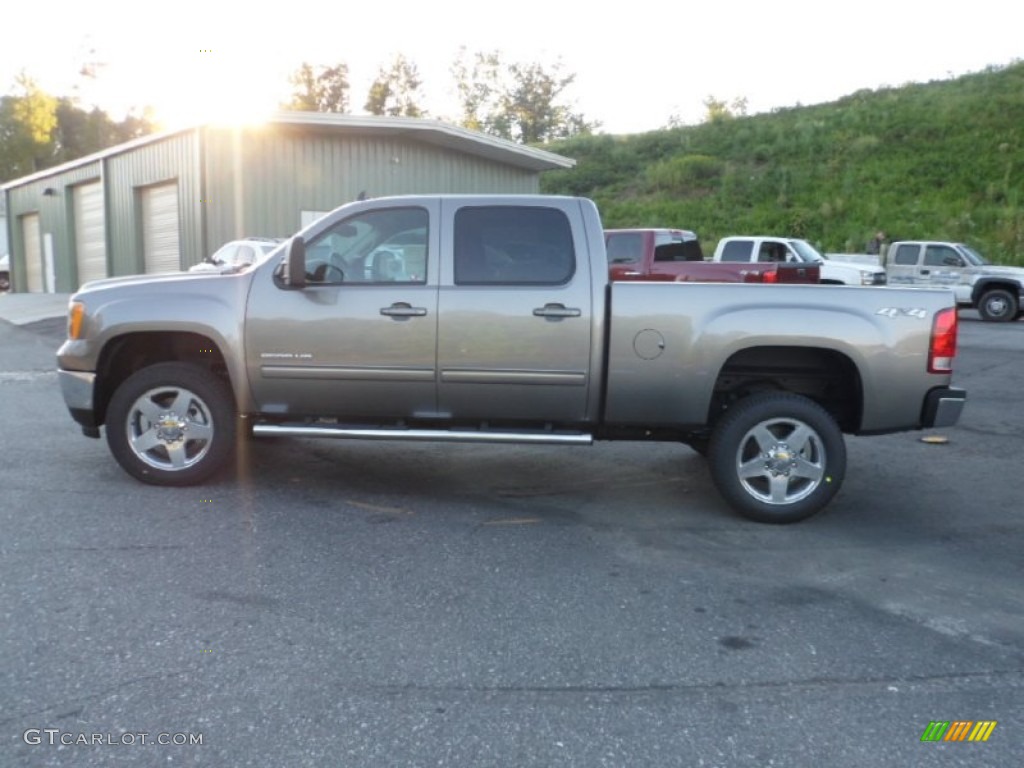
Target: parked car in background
996 292
675 255
792 250
5 272
237 254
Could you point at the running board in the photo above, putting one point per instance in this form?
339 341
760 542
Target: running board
424 435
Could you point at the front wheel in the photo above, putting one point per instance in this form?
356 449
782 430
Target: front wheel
171 424
777 457
998 305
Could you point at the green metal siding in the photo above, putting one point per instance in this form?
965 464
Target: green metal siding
259 180
55 219
240 182
175 158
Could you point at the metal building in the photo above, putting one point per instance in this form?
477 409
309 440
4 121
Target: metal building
165 202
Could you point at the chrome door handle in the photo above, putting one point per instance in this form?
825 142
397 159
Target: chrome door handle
401 309
556 311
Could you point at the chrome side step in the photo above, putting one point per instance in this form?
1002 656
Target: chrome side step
424 435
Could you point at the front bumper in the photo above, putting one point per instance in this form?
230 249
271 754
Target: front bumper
78 387
942 407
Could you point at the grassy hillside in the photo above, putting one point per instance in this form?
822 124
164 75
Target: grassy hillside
942 160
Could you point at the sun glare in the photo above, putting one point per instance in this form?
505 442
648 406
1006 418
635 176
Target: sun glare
224 87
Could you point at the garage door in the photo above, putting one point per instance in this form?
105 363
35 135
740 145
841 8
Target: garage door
160 228
90 238
33 252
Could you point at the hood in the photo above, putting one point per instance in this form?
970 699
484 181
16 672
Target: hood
164 279
1014 272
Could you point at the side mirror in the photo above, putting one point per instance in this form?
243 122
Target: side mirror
295 263
952 261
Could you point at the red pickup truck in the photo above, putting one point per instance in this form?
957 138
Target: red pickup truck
674 255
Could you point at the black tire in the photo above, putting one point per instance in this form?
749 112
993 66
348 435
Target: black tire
760 474
192 442
997 305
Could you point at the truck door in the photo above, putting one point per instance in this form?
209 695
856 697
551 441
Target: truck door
514 314
902 265
941 267
360 339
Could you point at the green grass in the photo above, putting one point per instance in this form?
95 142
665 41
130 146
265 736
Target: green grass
942 160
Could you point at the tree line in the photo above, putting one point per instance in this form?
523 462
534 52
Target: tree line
526 102
520 101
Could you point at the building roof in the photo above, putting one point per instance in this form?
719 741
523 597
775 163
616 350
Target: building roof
428 131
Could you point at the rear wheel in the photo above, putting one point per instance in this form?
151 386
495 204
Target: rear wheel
171 424
777 457
998 305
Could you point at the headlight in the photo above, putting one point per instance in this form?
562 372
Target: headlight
76 315
867 278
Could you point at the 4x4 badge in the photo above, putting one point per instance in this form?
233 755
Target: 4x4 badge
920 314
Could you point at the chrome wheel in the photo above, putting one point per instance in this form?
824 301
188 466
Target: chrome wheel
172 424
777 457
169 428
780 461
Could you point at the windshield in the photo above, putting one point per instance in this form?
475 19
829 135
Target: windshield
806 251
975 258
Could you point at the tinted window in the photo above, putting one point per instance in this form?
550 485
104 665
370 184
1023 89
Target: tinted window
678 252
382 246
737 250
905 254
624 247
510 245
941 256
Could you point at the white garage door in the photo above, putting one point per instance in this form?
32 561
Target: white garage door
33 252
160 228
90 237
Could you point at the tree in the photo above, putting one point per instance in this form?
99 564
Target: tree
27 124
323 89
718 110
395 91
523 101
80 133
38 130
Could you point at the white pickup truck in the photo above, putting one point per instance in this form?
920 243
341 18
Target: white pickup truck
996 292
790 249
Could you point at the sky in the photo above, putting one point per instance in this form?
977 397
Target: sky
637 64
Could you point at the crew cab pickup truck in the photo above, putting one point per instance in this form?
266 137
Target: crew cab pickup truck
491 319
675 255
996 292
792 250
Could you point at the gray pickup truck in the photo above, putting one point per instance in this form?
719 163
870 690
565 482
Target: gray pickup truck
491 319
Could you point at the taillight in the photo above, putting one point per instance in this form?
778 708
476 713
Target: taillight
943 342
770 277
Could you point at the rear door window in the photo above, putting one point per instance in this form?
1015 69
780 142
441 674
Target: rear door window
737 250
513 245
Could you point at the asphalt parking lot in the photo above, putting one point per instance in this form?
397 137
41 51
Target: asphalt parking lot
370 604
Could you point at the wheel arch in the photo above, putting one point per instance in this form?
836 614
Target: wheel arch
130 352
987 284
826 376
